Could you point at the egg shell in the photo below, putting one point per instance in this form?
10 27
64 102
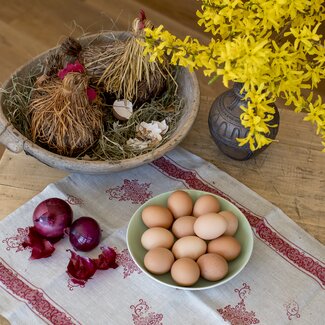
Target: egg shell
213 267
226 246
185 271
159 260
232 221
183 226
157 237
180 204
210 226
206 204
157 216
189 246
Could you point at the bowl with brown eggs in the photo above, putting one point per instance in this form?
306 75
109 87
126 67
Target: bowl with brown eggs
189 239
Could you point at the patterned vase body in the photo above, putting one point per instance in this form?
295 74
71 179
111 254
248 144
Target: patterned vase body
225 125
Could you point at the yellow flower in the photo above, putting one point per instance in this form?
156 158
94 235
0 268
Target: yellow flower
316 114
304 35
273 47
314 73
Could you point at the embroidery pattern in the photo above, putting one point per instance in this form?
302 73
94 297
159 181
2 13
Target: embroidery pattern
15 242
71 285
124 259
131 190
141 314
292 309
239 315
73 200
33 297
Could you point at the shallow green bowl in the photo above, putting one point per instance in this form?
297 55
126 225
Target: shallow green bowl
244 235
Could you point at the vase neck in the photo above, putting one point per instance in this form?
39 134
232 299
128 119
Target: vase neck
237 88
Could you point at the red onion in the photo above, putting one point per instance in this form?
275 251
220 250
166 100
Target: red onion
51 217
84 234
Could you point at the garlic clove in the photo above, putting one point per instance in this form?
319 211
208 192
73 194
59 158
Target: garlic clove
122 109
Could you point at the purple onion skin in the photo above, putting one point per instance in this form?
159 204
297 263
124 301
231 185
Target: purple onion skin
51 217
84 234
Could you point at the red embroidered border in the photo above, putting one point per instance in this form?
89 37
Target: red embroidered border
33 297
293 254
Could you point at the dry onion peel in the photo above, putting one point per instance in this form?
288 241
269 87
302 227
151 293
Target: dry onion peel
41 247
80 269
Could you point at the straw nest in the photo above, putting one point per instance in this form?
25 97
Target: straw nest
25 100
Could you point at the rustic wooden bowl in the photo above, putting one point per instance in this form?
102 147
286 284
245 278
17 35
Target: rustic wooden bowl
15 141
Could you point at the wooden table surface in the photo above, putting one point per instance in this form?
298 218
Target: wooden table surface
290 173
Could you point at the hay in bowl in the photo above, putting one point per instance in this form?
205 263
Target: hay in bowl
16 138
244 236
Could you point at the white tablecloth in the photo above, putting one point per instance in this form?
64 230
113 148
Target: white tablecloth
283 282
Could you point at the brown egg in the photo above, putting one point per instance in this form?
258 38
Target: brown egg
185 271
226 246
157 237
157 216
189 246
180 204
205 204
232 221
183 226
210 226
159 260
213 267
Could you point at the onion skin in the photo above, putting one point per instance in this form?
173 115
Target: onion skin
84 234
51 217
41 247
80 268
107 259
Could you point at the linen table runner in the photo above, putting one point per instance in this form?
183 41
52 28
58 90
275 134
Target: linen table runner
283 283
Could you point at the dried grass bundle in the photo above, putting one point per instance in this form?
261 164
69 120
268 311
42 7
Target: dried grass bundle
120 67
130 74
61 116
96 58
53 63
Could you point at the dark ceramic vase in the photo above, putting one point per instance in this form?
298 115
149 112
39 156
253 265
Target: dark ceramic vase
225 125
